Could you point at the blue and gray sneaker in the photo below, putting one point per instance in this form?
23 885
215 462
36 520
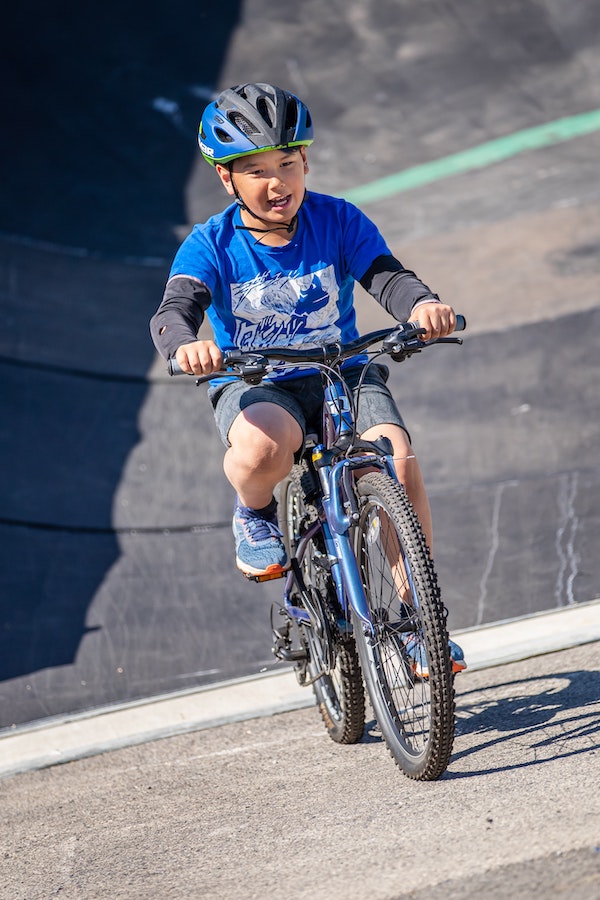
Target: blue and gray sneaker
258 541
415 652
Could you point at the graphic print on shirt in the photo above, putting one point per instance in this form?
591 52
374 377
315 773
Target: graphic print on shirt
276 310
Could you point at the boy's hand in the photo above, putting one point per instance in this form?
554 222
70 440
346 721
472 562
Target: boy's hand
199 357
437 318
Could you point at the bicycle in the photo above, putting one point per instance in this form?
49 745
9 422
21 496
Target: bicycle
361 597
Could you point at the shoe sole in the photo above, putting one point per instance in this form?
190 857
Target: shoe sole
418 672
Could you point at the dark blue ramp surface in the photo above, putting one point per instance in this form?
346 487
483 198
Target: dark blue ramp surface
99 115
152 603
510 429
116 557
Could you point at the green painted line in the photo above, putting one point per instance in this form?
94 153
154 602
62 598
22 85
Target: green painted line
476 157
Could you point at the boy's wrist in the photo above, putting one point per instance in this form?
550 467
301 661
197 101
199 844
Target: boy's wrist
433 298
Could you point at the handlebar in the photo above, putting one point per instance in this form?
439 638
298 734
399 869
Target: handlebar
400 341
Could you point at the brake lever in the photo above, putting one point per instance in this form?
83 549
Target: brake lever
234 360
251 367
405 338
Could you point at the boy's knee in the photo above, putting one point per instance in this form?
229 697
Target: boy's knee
257 449
265 428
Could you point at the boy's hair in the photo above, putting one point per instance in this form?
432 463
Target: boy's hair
286 149
251 118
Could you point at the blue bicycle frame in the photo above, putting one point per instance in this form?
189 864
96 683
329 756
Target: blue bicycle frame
339 507
340 510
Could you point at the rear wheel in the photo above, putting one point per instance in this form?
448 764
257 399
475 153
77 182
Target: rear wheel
406 660
333 666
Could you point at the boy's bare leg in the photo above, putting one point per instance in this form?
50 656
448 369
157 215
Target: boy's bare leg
264 438
408 472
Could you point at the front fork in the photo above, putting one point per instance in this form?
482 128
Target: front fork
341 514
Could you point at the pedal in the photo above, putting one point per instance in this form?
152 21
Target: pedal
282 646
266 576
287 655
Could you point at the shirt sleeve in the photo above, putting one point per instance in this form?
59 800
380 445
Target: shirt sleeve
397 289
363 242
180 314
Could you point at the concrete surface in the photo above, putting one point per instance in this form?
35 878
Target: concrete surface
54 741
271 806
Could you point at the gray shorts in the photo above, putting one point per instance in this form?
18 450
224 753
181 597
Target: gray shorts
303 399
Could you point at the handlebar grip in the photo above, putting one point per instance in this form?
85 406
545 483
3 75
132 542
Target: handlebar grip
461 323
173 367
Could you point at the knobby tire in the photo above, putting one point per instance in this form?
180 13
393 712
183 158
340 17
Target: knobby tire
415 714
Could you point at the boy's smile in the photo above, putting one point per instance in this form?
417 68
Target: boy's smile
281 203
270 184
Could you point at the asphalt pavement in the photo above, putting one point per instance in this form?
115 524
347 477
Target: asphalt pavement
267 806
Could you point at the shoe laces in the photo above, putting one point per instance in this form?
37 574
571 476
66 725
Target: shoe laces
255 527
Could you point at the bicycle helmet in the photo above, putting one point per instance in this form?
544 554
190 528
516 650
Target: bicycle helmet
250 118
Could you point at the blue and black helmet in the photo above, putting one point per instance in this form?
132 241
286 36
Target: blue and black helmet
250 118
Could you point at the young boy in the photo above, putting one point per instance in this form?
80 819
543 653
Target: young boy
277 268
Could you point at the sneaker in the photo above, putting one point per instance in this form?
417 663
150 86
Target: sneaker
415 651
258 541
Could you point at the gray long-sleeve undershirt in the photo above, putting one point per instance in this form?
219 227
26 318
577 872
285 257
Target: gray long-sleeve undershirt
186 299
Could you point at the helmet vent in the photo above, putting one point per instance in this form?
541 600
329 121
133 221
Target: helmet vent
263 109
242 123
223 136
291 115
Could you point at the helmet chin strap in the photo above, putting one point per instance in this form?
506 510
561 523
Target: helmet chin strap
289 227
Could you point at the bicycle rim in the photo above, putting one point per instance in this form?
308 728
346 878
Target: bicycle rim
415 712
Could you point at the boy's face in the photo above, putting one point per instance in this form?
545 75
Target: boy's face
271 184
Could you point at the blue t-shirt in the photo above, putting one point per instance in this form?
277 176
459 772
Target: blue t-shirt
299 295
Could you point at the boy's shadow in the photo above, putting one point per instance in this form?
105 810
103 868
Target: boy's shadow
529 712
551 716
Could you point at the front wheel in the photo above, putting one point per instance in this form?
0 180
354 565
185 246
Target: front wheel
332 667
405 658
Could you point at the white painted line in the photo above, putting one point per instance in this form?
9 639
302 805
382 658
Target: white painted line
65 739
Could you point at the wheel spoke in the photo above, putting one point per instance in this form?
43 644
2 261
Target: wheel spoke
404 659
339 691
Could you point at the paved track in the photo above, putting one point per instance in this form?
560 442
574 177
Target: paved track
271 806
115 579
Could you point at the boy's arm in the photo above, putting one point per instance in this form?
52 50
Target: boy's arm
180 314
400 293
397 289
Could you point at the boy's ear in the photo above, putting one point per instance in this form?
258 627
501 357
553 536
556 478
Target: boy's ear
225 176
303 153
